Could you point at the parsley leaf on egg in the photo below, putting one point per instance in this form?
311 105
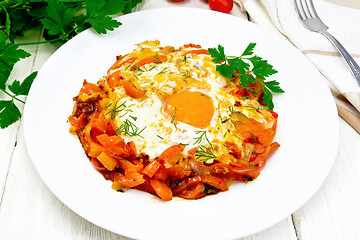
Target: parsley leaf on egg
247 69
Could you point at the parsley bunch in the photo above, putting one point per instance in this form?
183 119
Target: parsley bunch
247 69
60 20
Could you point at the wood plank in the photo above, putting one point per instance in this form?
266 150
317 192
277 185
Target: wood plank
334 211
8 136
283 230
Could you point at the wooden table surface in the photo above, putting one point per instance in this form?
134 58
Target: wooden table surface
28 210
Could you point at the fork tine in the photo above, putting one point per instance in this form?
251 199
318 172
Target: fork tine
306 9
297 8
313 9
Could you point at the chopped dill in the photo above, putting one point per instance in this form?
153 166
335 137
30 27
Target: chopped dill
237 136
203 154
225 120
132 63
184 60
202 135
184 144
130 129
135 118
231 109
173 117
119 158
187 74
153 67
255 138
157 59
162 71
116 109
204 95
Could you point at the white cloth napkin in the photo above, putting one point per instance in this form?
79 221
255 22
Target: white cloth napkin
343 23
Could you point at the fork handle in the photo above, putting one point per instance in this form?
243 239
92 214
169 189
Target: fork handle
351 62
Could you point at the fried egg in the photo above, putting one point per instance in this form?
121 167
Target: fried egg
176 96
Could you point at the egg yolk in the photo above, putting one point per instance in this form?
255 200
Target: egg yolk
193 108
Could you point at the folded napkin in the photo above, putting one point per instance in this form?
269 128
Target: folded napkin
343 23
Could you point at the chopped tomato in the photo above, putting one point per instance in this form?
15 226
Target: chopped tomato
157 58
196 51
100 125
161 189
115 145
162 173
78 123
151 168
273 147
114 79
191 45
120 62
121 181
236 172
186 183
108 162
167 50
97 164
89 88
194 192
131 90
171 154
216 182
274 114
253 131
177 173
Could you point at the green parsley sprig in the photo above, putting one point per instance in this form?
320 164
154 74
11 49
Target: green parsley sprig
60 20
247 69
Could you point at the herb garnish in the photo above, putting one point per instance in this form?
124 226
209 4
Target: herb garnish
202 135
130 129
173 117
247 69
204 153
184 59
116 109
187 74
60 21
162 71
157 59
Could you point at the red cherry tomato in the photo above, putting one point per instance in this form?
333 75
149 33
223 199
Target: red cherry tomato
224 6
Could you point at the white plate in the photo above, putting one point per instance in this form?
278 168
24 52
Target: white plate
307 132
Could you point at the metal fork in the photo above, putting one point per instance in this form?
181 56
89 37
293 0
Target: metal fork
310 19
